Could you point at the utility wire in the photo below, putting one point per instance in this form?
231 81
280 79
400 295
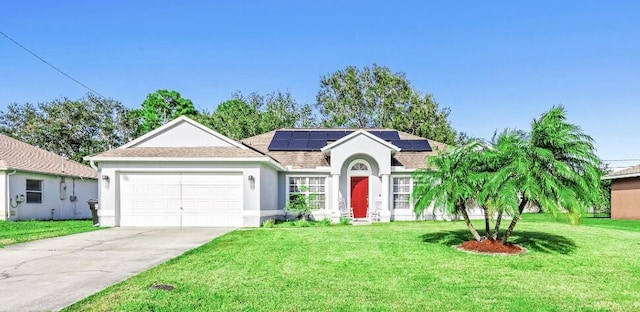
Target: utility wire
50 65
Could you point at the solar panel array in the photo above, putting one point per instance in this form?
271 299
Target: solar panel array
306 140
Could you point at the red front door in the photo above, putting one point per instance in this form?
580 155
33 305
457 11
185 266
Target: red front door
359 196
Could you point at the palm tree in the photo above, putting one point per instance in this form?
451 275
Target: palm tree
554 167
450 182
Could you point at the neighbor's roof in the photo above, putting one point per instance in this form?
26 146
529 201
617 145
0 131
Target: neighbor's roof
183 152
313 159
17 155
625 173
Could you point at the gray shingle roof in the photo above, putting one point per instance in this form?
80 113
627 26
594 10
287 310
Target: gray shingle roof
17 155
306 159
625 173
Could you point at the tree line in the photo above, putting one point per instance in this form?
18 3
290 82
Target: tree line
368 97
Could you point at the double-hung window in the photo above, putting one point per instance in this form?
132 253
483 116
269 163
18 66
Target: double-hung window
401 193
313 188
34 191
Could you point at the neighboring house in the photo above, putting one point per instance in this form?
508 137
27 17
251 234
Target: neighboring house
185 174
625 193
37 184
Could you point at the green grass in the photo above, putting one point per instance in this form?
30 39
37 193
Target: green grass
13 232
401 266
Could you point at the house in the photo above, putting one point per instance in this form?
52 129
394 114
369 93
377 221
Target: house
625 193
37 184
185 174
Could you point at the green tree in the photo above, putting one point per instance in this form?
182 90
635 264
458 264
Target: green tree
245 116
163 106
555 168
375 97
451 181
73 128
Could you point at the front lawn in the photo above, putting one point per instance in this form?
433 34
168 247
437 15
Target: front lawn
13 232
401 266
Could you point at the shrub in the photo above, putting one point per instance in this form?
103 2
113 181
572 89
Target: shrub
345 221
326 221
269 223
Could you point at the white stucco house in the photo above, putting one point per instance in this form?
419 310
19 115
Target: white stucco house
39 185
185 174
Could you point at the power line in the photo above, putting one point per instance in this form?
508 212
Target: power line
50 65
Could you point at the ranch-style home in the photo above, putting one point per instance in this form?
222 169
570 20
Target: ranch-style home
39 185
185 174
625 193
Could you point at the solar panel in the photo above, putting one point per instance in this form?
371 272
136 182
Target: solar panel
420 145
318 135
386 135
337 135
297 145
412 145
278 145
282 135
298 135
316 145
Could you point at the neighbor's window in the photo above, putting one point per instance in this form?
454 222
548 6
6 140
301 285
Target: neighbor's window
312 187
401 193
34 192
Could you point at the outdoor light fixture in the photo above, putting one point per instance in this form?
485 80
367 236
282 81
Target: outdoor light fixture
105 177
252 180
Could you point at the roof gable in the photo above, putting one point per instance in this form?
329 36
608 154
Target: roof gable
183 132
327 149
18 155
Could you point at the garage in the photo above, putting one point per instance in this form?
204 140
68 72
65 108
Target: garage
180 199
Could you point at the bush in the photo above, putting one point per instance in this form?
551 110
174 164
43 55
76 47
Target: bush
345 221
269 223
325 222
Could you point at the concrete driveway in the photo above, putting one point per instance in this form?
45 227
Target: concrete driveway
51 274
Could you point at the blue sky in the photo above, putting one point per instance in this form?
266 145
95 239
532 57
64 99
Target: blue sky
495 64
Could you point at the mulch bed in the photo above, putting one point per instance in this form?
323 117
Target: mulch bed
491 247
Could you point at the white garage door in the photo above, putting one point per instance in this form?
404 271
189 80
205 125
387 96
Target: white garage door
175 199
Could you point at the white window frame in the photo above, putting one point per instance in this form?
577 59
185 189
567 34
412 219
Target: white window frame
306 177
28 191
394 193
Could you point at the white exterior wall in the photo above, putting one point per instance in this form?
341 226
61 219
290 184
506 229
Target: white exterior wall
4 199
52 206
269 193
108 205
184 135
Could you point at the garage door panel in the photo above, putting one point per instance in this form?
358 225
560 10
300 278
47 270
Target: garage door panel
207 199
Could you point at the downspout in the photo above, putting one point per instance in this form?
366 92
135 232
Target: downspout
7 214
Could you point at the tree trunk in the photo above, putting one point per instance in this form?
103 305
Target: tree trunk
469 225
515 220
487 224
497 228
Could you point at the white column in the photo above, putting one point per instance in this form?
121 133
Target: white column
335 197
385 214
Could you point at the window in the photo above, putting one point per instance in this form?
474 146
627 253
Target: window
34 192
312 187
401 193
359 166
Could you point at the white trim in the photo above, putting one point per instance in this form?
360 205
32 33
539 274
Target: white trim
622 176
328 148
267 160
316 169
175 122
